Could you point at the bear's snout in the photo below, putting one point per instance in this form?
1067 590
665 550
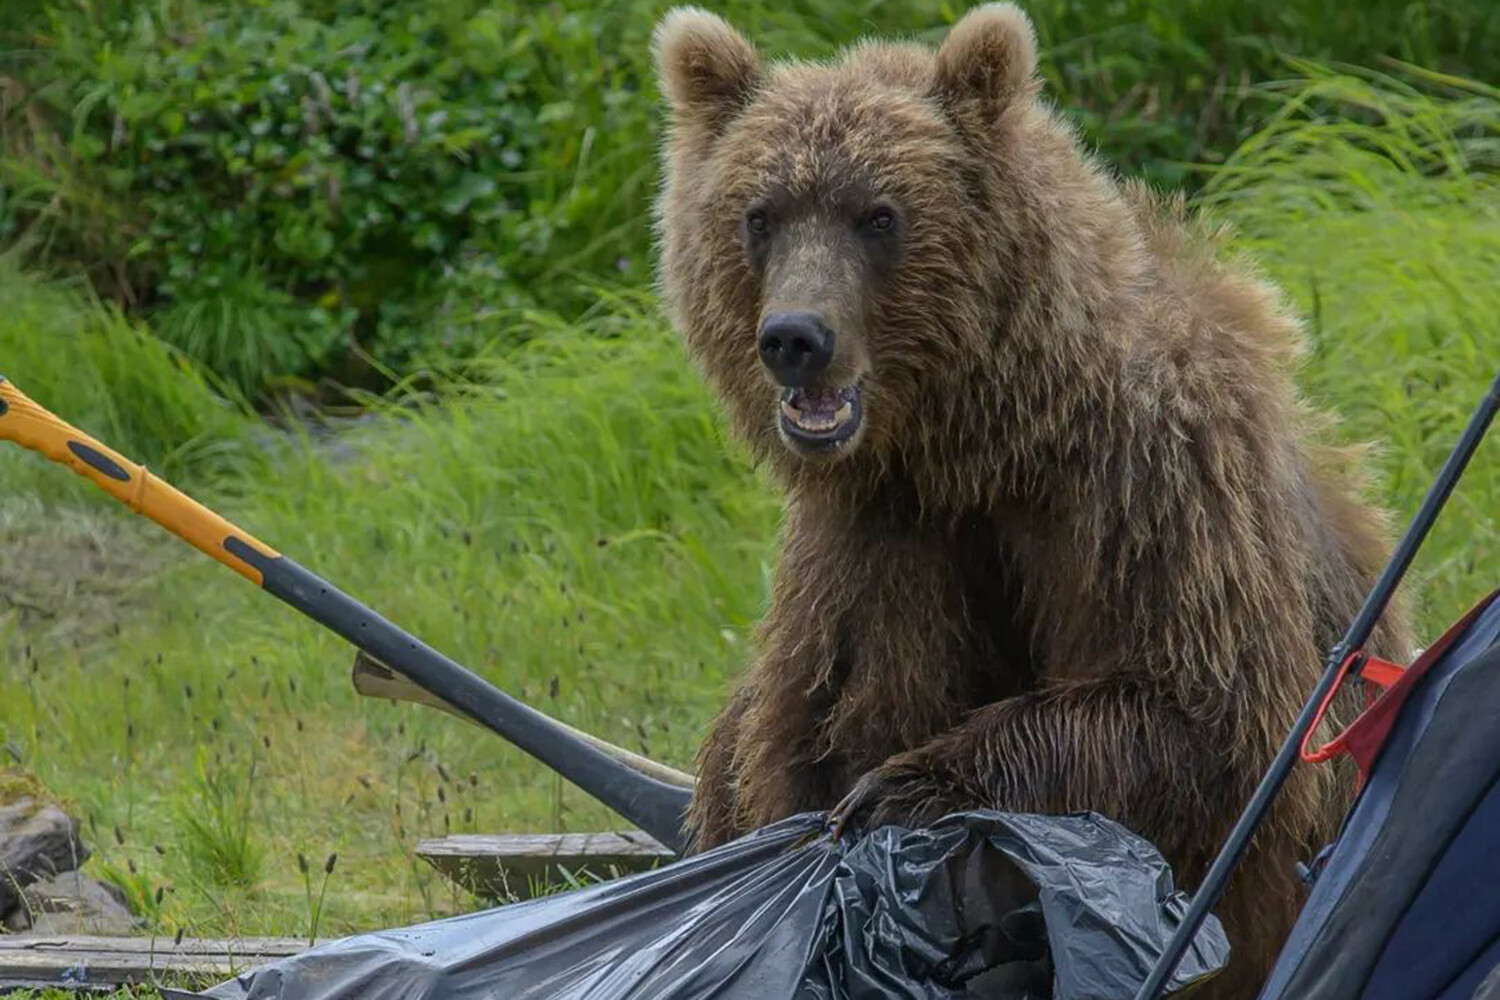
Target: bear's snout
795 347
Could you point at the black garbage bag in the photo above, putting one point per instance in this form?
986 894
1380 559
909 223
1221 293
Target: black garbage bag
983 904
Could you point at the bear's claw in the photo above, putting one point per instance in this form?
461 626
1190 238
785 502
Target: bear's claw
861 799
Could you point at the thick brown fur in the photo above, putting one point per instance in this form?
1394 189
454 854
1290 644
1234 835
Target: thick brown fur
1083 554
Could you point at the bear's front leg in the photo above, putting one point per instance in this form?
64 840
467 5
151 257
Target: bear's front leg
712 814
1121 746
865 651
1128 748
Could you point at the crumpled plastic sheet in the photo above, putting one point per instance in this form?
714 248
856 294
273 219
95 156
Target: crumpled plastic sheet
980 905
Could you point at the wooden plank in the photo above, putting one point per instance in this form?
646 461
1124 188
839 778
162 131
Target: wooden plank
47 960
519 866
374 679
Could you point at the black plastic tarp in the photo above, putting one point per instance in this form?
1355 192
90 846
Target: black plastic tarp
982 904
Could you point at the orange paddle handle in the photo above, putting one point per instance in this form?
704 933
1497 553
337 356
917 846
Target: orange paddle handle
32 426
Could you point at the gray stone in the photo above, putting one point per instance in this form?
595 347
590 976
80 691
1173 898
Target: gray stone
16 921
73 903
37 840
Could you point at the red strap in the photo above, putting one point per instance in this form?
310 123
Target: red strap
1365 736
1382 673
1335 746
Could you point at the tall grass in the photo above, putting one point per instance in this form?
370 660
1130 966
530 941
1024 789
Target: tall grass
570 523
1375 202
71 566
108 374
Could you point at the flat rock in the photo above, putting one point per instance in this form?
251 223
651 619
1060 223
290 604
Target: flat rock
37 840
73 903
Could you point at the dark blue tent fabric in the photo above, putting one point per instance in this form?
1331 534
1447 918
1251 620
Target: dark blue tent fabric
1407 905
1451 933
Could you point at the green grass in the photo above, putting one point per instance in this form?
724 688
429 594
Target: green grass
573 526
1376 205
103 372
571 522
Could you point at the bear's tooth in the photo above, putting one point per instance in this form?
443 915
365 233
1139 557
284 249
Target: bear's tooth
815 421
790 412
843 413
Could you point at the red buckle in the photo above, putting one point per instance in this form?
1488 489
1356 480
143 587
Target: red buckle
1335 746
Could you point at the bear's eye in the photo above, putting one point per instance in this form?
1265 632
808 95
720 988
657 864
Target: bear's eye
757 221
882 220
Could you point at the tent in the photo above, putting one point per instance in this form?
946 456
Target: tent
1406 904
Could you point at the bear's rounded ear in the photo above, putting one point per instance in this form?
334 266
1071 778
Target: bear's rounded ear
988 59
706 68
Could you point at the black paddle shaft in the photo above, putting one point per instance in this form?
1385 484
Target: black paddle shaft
1380 595
655 806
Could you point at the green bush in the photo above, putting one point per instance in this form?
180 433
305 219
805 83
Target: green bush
309 187
279 181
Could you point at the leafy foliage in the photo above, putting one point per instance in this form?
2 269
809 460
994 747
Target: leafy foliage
1376 204
278 182
338 188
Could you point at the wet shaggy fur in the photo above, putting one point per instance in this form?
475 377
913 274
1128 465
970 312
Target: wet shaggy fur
1083 554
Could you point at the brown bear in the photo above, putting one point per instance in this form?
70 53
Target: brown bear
1057 535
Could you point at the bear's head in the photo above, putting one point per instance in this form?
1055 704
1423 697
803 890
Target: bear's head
840 241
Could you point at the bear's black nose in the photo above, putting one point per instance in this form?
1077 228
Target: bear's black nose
795 346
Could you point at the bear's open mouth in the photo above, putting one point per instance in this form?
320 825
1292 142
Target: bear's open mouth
820 417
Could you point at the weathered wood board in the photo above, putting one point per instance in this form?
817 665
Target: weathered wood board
83 962
497 867
519 866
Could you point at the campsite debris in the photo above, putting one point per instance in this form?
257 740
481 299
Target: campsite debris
37 840
979 905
